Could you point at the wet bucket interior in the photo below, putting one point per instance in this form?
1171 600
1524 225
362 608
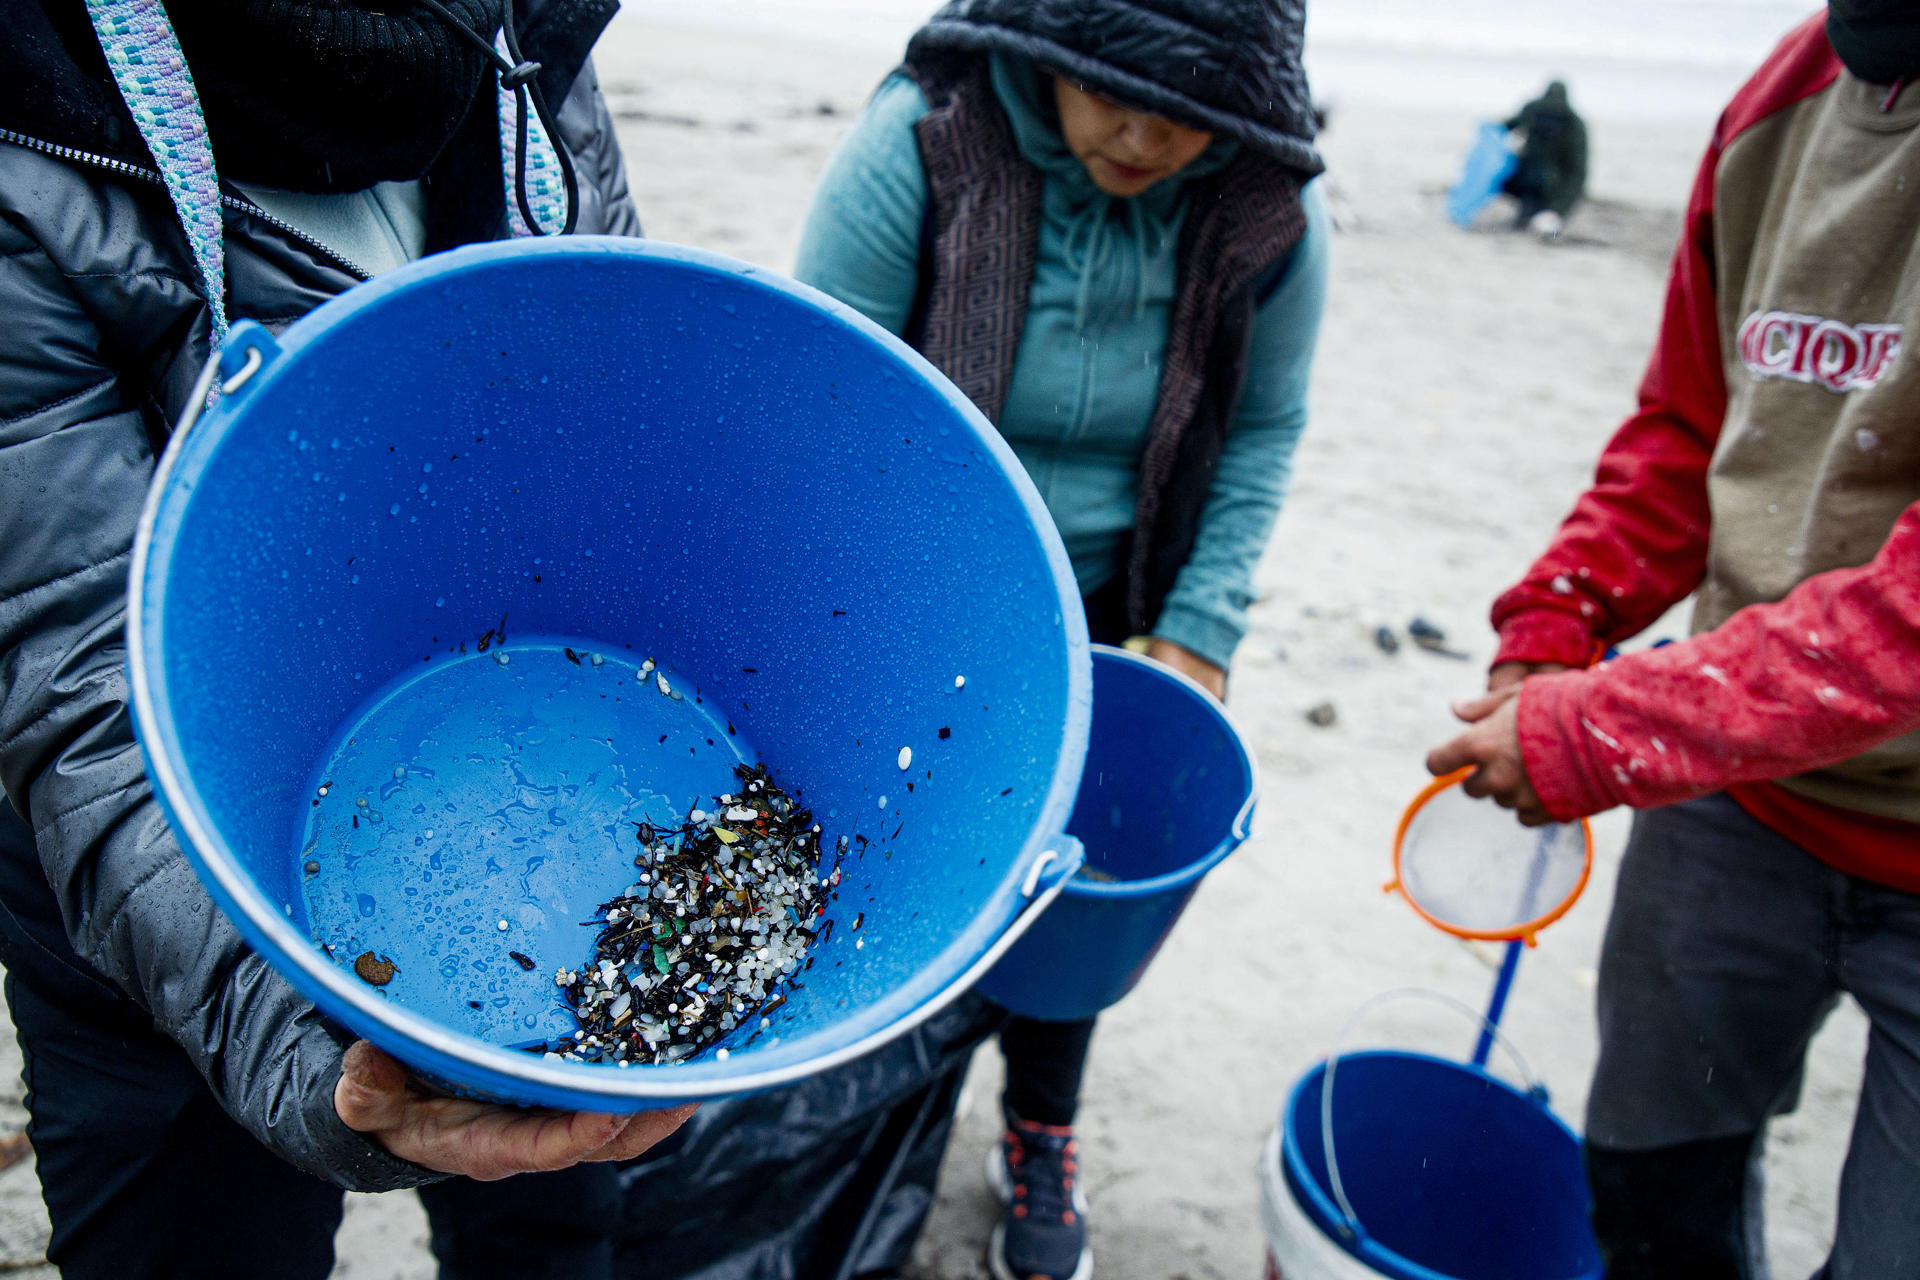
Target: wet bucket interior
1167 793
401 584
1452 1174
1169 780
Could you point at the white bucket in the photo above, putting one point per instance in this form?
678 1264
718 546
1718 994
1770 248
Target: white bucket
1296 1248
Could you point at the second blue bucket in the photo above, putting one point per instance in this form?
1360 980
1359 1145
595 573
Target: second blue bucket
1450 1174
1168 792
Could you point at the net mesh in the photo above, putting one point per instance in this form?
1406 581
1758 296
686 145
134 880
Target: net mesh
1471 867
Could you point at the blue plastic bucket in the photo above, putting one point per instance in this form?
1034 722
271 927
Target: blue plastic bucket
1168 792
1488 165
1451 1175
603 451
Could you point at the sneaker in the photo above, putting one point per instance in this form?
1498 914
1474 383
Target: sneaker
1043 1234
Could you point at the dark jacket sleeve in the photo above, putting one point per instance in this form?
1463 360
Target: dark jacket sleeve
79 416
586 127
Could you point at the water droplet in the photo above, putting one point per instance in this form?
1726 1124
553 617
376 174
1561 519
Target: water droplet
366 905
394 510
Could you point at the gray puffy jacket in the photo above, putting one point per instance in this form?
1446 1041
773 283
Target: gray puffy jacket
106 329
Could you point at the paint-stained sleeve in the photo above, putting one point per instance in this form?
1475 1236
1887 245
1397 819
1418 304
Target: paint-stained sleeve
1827 672
861 243
1206 612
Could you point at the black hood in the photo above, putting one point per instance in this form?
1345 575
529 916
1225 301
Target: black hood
58 89
1878 40
1231 67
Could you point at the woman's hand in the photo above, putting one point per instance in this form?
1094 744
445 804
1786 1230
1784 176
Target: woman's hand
1190 664
477 1139
1492 748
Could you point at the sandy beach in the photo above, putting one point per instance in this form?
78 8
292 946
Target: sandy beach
1464 385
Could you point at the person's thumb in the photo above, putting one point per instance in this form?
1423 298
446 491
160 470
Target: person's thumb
1473 710
372 1093
1449 756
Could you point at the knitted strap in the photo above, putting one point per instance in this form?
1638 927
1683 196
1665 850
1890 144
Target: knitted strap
545 189
152 76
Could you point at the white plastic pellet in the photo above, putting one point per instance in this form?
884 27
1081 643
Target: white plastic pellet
906 758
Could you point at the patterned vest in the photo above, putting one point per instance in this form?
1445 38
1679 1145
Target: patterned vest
978 252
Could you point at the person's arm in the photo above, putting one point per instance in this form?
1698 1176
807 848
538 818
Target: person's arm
76 456
1636 541
586 127
1206 611
1818 677
861 243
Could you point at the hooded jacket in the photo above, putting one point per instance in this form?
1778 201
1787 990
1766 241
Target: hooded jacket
1111 340
1552 173
109 328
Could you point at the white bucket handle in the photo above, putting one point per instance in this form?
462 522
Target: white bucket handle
1350 1223
201 397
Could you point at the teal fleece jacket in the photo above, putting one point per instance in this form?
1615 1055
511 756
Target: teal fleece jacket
1087 373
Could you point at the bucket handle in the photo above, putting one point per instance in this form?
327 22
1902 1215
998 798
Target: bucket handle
1243 821
258 345
1064 859
1350 1221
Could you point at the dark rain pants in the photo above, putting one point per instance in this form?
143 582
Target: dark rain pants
1046 1060
1727 946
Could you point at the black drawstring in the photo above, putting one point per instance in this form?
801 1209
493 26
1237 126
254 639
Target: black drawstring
519 77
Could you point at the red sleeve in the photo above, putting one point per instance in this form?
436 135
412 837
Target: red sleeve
1816 678
1636 542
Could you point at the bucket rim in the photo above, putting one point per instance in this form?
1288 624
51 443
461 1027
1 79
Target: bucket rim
429 1047
1320 1205
1237 832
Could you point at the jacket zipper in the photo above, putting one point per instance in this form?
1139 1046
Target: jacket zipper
125 170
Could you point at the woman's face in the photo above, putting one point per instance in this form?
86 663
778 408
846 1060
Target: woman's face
1124 151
